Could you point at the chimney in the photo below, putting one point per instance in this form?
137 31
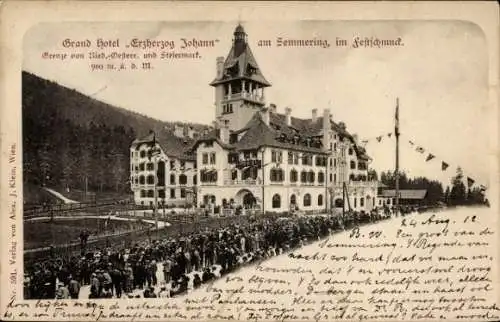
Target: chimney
220 67
314 115
288 116
272 108
265 115
178 130
190 132
326 129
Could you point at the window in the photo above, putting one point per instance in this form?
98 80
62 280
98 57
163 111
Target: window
350 151
335 178
141 167
321 177
212 158
276 201
172 193
361 202
183 193
276 156
172 164
290 157
150 166
277 175
353 164
143 154
142 180
151 193
143 193
249 173
194 179
293 176
182 179
330 162
320 161
293 200
303 177
335 147
307 200
310 176
161 194
307 159
361 165
204 158
320 200
136 181
351 177
234 174
151 179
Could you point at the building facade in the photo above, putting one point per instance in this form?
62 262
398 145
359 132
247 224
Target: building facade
257 158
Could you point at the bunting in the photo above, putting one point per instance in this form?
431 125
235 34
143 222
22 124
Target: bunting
420 149
444 166
429 157
379 138
411 143
389 134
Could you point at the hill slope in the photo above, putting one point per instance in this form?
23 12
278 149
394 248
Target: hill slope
72 140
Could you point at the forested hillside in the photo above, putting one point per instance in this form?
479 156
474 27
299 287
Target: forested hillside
70 139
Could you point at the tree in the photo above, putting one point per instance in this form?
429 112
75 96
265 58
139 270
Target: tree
458 192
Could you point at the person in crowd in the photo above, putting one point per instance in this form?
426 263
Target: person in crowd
73 287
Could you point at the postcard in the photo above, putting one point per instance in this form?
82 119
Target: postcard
252 161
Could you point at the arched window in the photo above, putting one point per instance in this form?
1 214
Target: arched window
234 174
307 200
293 200
143 154
321 177
353 164
276 201
151 179
320 200
303 177
293 176
142 180
311 176
361 202
350 151
143 193
172 179
182 179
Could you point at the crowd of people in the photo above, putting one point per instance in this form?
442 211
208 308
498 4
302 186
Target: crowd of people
182 263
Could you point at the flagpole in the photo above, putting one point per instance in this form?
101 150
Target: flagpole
396 133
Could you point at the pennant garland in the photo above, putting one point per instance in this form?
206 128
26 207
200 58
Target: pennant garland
389 134
420 149
429 157
444 166
470 182
379 138
411 143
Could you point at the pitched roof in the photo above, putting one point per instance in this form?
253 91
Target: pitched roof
415 194
242 61
171 145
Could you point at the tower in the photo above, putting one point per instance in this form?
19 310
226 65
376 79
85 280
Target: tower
239 84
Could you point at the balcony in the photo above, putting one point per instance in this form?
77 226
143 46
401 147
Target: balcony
246 182
245 95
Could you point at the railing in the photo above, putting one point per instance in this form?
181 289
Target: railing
246 95
242 182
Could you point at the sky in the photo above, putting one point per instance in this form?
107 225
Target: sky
440 75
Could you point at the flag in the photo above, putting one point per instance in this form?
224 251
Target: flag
411 143
389 134
420 149
379 138
430 157
470 182
444 165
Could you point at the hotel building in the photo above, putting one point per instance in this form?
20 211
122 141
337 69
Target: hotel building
256 157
